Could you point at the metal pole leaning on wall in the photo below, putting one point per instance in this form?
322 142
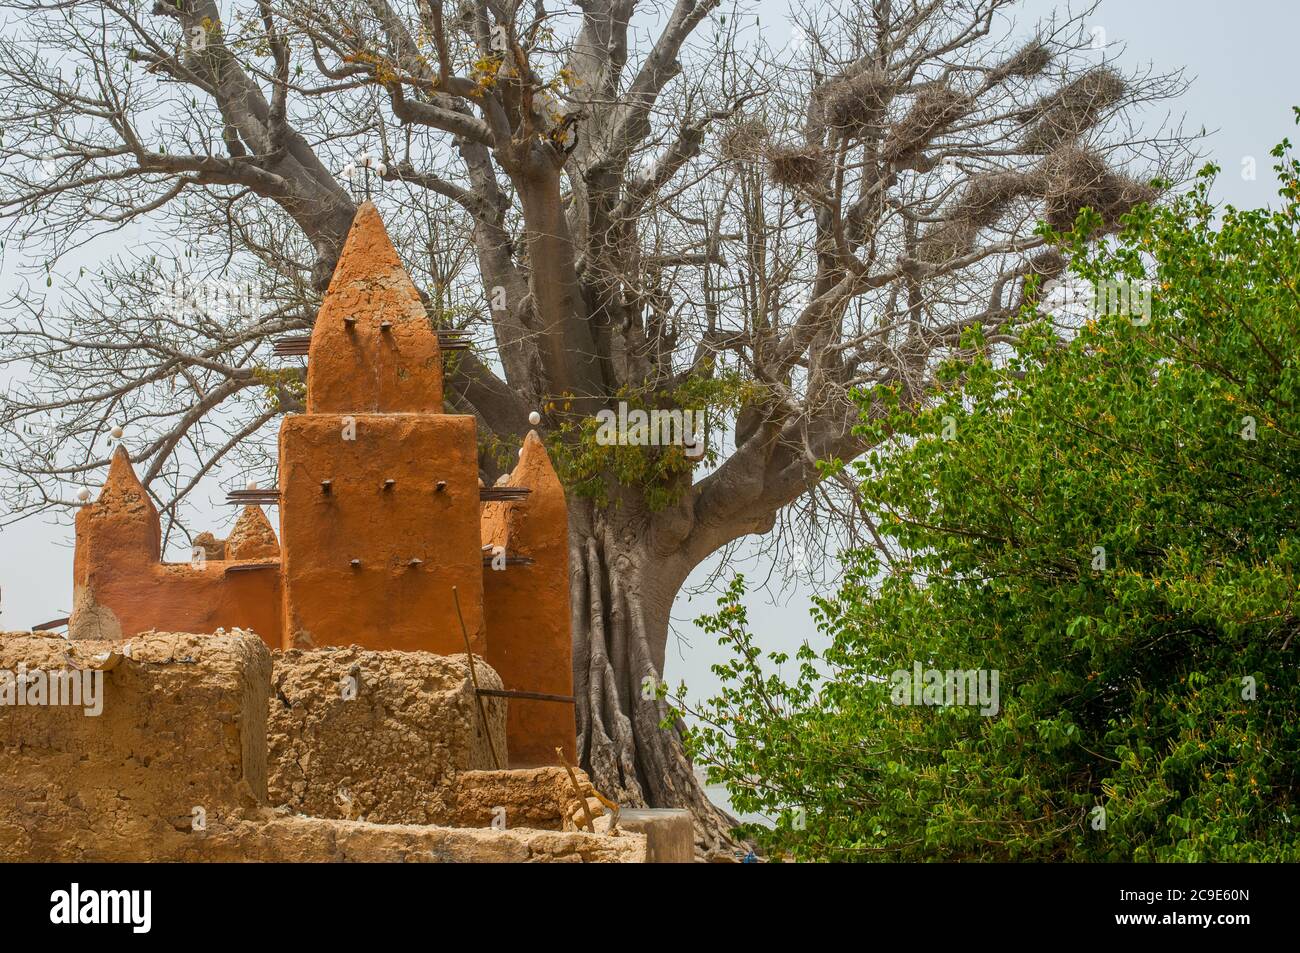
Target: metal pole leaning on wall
473 677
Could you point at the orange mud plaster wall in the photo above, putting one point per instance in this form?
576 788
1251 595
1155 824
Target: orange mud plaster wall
411 542
379 489
529 641
121 588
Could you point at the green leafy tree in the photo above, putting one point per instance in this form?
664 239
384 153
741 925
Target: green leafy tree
1106 517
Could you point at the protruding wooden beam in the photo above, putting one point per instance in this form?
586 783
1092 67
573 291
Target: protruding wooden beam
503 494
298 345
534 696
253 497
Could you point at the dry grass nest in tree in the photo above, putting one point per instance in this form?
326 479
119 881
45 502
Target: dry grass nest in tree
1078 178
988 196
855 105
796 167
982 203
934 110
946 241
744 140
1072 110
1048 263
1028 61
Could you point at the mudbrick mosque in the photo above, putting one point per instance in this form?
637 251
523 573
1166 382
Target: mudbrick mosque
387 678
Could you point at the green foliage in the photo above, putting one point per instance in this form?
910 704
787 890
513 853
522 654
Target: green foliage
661 474
281 382
1125 687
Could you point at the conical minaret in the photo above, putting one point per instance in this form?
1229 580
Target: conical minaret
373 349
378 488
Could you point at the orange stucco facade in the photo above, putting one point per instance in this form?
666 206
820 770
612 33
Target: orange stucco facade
525 600
379 519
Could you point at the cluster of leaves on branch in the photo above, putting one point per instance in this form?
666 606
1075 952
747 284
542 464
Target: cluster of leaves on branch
591 468
1159 684
283 385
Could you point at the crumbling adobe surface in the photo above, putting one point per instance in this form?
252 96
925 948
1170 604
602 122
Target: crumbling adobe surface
183 725
213 548
295 839
541 798
392 753
252 537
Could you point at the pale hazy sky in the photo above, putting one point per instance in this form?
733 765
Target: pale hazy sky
1240 58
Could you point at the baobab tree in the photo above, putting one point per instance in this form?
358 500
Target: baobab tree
653 205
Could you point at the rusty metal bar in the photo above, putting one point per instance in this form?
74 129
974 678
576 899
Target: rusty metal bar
510 560
52 624
533 696
298 345
249 567
503 494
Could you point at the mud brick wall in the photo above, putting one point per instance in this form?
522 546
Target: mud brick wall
295 839
529 639
183 725
537 798
121 587
390 754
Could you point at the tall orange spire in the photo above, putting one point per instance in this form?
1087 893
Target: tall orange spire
373 349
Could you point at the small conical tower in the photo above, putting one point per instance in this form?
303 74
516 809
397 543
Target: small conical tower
379 508
118 537
527 604
252 537
122 519
121 587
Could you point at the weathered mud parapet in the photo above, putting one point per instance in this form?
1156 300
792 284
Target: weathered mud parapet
174 765
541 798
182 726
378 736
291 839
122 588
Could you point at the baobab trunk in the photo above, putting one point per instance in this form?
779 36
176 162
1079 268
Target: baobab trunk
621 595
